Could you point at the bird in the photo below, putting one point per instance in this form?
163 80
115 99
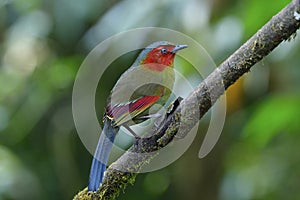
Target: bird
148 82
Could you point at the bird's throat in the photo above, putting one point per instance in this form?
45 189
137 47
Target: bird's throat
158 63
156 67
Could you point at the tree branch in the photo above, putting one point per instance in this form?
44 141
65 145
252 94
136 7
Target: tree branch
121 173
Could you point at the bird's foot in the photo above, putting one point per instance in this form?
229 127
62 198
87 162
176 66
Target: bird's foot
132 132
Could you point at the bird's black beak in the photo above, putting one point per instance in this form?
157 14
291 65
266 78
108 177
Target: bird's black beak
179 47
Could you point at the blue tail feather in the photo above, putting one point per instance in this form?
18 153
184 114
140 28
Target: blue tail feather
101 155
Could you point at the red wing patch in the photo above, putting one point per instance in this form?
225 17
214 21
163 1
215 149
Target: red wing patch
120 112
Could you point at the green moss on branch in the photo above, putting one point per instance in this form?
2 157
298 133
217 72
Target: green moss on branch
280 28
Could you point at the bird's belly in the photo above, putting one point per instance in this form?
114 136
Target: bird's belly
133 86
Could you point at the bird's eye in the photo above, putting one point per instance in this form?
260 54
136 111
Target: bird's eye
163 51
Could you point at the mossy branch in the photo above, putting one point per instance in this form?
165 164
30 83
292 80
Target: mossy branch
281 27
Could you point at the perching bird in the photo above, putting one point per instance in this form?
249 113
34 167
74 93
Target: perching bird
149 81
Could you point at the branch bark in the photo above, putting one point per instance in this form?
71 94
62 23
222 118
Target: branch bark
281 27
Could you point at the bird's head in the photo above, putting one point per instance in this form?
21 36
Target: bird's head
159 55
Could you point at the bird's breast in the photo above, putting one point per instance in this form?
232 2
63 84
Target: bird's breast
141 81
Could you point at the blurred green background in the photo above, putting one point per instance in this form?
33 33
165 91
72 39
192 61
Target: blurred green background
42 45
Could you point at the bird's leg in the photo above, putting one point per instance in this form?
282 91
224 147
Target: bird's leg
131 131
156 116
170 110
158 122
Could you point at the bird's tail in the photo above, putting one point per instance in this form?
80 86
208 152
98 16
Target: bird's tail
101 155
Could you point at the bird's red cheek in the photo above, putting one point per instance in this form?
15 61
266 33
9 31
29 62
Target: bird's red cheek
157 61
167 59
